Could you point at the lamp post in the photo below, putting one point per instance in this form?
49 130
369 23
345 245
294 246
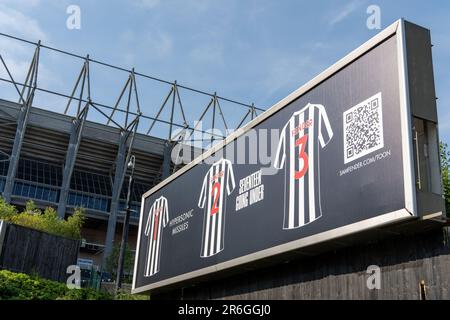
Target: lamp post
126 223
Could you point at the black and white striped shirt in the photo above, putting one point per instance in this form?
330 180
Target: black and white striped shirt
298 152
213 200
158 218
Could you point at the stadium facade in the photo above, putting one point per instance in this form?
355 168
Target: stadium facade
72 159
40 170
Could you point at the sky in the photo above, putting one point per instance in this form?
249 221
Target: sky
253 51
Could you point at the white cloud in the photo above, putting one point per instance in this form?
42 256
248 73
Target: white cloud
18 69
18 55
22 3
16 23
208 53
158 45
147 4
345 12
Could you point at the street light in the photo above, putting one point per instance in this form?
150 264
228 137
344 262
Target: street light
126 222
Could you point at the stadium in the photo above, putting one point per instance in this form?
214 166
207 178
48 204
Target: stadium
122 184
66 161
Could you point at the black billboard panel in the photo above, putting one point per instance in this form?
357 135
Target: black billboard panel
342 143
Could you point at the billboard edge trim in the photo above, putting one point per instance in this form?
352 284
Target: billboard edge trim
378 221
405 111
327 73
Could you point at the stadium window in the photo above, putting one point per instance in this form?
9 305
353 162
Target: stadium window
46 194
24 190
4 168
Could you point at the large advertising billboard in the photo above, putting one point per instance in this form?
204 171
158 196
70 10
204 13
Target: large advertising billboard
335 147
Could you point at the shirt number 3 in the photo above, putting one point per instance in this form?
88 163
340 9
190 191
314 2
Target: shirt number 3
301 144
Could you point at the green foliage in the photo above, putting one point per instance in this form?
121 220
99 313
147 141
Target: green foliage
445 169
7 211
86 294
47 221
19 286
128 296
113 260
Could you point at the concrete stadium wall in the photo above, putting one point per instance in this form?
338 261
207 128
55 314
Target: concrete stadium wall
404 261
33 252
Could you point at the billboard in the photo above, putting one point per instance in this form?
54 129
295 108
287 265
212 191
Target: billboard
342 142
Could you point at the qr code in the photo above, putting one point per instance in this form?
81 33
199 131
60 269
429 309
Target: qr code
363 128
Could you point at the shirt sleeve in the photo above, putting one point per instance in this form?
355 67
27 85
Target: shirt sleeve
230 181
147 226
202 198
325 131
166 213
281 151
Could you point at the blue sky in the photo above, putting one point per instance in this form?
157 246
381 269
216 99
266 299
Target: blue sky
249 50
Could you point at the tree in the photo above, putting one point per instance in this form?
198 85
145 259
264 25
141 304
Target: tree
445 169
113 260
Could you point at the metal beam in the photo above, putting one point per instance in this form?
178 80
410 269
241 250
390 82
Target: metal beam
213 117
165 172
122 158
22 122
71 156
160 110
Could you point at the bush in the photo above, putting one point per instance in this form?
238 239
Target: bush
128 296
19 286
7 211
445 169
46 221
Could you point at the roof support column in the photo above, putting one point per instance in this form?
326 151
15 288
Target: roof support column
71 155
122 159
75 135
30 84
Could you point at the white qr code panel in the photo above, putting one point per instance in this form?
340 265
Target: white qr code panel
363 128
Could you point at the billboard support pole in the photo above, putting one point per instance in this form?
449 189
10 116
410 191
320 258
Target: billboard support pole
123 244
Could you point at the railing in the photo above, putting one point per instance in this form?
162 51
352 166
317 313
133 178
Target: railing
50 193
36 191
89 201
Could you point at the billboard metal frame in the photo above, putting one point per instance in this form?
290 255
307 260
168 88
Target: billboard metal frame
408 212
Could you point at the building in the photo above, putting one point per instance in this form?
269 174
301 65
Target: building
41 168
73 159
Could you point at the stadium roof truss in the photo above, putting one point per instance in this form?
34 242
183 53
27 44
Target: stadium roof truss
129 128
